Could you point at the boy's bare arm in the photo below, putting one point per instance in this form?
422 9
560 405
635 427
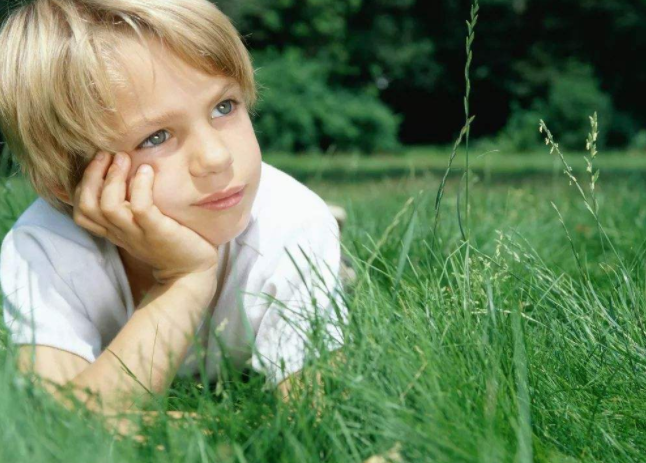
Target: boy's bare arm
146 353
151 345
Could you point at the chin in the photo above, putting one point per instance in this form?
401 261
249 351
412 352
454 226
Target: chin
228 233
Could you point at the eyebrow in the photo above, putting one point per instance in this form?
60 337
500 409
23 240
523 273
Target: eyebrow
163 117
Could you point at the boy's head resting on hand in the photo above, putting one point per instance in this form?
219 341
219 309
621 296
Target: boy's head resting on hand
167 81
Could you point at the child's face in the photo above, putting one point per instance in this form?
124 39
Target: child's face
207 145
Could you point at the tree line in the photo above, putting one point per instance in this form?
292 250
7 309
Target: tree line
559 60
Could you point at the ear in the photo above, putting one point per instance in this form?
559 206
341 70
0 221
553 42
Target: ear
61 194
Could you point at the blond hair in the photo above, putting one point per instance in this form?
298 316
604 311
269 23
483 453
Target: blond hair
59 70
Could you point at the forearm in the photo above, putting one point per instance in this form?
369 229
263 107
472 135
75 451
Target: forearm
152 345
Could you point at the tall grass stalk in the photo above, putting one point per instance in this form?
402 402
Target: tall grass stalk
590 200
464 131
471 24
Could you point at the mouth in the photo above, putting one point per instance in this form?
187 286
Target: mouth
232 198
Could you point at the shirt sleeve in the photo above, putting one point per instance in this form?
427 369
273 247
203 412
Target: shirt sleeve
305 300
39 306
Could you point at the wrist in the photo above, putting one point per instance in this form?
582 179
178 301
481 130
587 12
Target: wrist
201 278
165 277
201 285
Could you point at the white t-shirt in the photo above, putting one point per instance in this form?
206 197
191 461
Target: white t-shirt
64 287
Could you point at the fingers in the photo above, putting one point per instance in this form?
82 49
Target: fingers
143 209
113 197
93 227
100 205
88 191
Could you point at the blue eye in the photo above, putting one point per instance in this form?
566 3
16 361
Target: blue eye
225 108
152 138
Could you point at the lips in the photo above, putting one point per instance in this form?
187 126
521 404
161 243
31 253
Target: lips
221 195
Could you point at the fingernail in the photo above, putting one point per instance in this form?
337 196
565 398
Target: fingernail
99 156
120 159
145 169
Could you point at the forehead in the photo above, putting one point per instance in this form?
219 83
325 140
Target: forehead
151 79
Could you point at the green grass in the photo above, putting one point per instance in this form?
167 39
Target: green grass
533 357
418 161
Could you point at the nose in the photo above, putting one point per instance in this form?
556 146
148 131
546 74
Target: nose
210 154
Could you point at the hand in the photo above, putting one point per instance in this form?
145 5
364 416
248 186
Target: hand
137 225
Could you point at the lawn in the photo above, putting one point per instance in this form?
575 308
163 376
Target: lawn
528 343
416 161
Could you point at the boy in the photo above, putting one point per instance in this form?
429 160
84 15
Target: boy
158 219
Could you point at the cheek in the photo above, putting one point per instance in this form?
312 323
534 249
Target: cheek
165 187
167 194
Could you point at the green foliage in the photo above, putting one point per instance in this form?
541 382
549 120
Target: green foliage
362 40
639 141
413 51
520 133
388 44
572 93
363 47
300 111
317 27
